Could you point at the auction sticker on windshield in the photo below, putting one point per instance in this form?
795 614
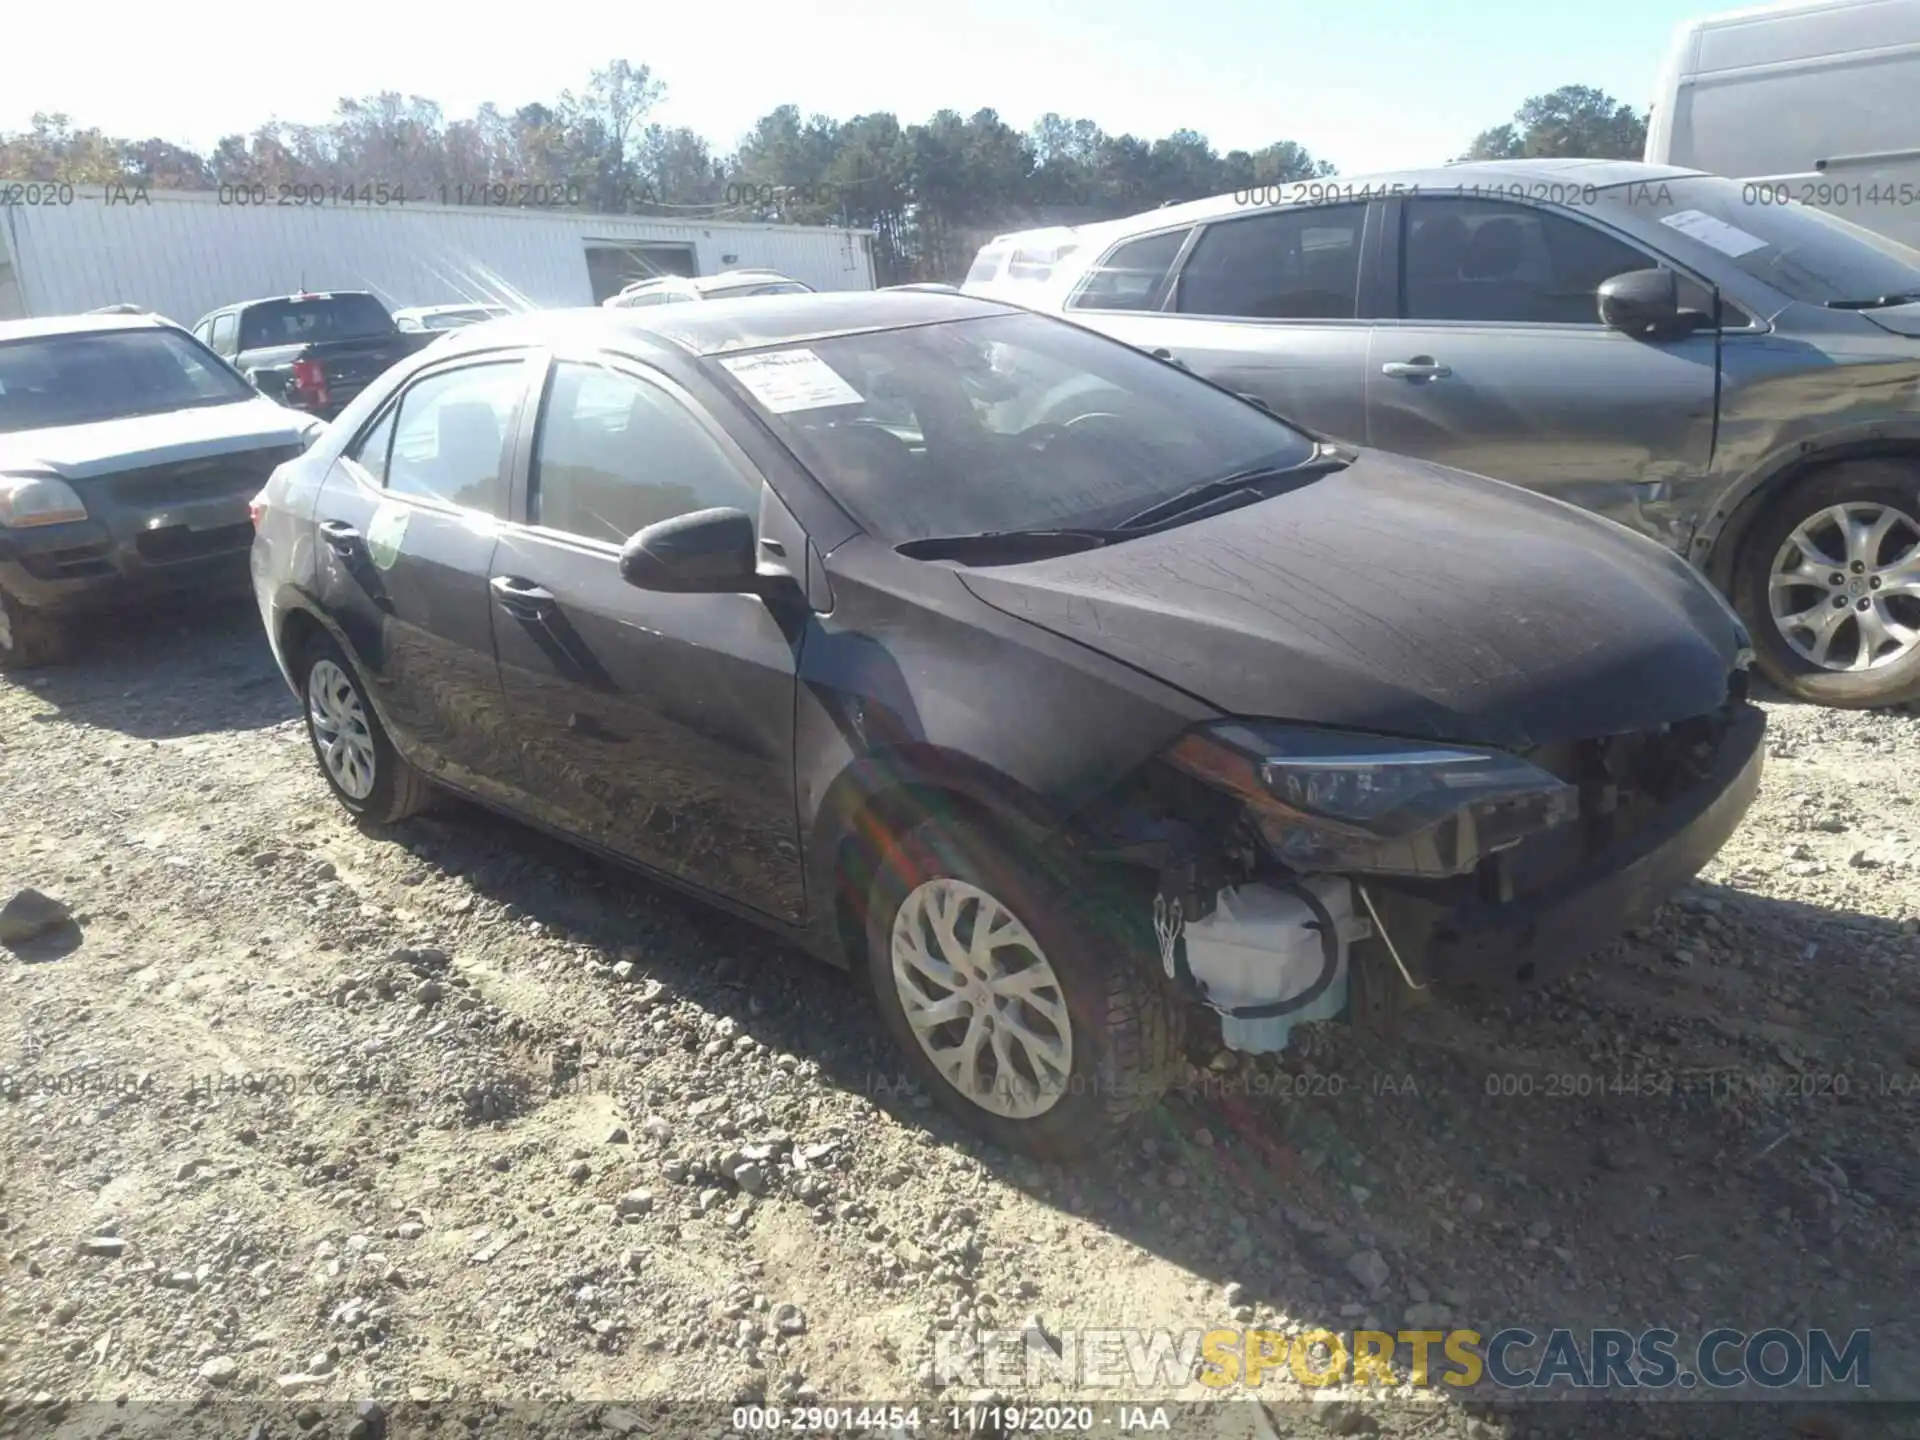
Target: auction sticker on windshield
385 533
1727 239
790 380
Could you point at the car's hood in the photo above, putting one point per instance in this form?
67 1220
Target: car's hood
77 452
1401 598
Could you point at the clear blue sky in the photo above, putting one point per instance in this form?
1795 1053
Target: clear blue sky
1369 84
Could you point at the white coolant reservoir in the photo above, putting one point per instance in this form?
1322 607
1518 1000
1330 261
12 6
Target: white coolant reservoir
1263 945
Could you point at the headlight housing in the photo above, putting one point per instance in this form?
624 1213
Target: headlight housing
30 500
1331 800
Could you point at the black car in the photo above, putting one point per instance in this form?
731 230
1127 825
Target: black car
128 454
1070 699
310 351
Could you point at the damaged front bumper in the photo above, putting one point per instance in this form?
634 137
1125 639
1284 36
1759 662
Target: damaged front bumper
1500 943
1460 870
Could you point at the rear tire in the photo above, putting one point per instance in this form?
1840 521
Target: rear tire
1072 1027
30 638
357 759
1807 514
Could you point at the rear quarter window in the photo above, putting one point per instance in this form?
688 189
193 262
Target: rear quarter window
1036 265
986 265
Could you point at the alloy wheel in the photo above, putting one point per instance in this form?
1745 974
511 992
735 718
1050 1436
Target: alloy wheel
340 733
1845 587
981 999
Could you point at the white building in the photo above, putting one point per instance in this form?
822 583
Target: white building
182 253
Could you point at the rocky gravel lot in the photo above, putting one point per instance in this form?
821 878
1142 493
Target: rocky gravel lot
414 1129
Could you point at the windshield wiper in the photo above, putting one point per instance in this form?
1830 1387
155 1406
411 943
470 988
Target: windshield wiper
1878 302
1013 546
1324 461
1007 546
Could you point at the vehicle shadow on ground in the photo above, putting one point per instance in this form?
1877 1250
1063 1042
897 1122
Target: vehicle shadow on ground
1446 1179
126 674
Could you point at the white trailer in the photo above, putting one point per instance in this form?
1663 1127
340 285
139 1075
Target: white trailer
65 249
1816 101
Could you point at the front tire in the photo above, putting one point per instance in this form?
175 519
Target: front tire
30 638
1828 582
1026 1006
366 774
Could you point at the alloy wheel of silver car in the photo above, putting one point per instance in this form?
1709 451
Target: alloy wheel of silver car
981 998
1845 587
340 733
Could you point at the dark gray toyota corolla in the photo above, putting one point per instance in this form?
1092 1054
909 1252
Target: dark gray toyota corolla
1074 702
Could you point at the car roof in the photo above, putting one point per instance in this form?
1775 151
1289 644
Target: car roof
706 282
727 326
79 325
1492 174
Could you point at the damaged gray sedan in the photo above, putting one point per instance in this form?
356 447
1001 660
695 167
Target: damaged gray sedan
1076 704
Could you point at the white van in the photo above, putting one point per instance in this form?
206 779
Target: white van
1810 100
1015 266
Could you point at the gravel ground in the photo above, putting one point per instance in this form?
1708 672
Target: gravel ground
520 1129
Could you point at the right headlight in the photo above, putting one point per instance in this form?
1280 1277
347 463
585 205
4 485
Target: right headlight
1333 801
29 500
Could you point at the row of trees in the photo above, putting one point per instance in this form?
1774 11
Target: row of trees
931 191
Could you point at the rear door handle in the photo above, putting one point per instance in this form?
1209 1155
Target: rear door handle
1421 367
341 537
521 598
1167 355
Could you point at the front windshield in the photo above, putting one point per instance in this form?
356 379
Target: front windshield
1003 423
55 380
1801 251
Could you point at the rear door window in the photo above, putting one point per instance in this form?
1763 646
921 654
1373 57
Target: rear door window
451 438
1294 264
369 452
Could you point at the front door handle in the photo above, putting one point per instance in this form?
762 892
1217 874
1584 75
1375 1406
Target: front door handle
1420 367
521 598
341 537
1167 355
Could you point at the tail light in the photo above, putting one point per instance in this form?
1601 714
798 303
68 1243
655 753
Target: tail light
310 380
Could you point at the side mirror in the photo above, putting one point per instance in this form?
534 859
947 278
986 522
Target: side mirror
707 552
1645 303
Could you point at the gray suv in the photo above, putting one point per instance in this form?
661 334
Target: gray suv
1691 356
